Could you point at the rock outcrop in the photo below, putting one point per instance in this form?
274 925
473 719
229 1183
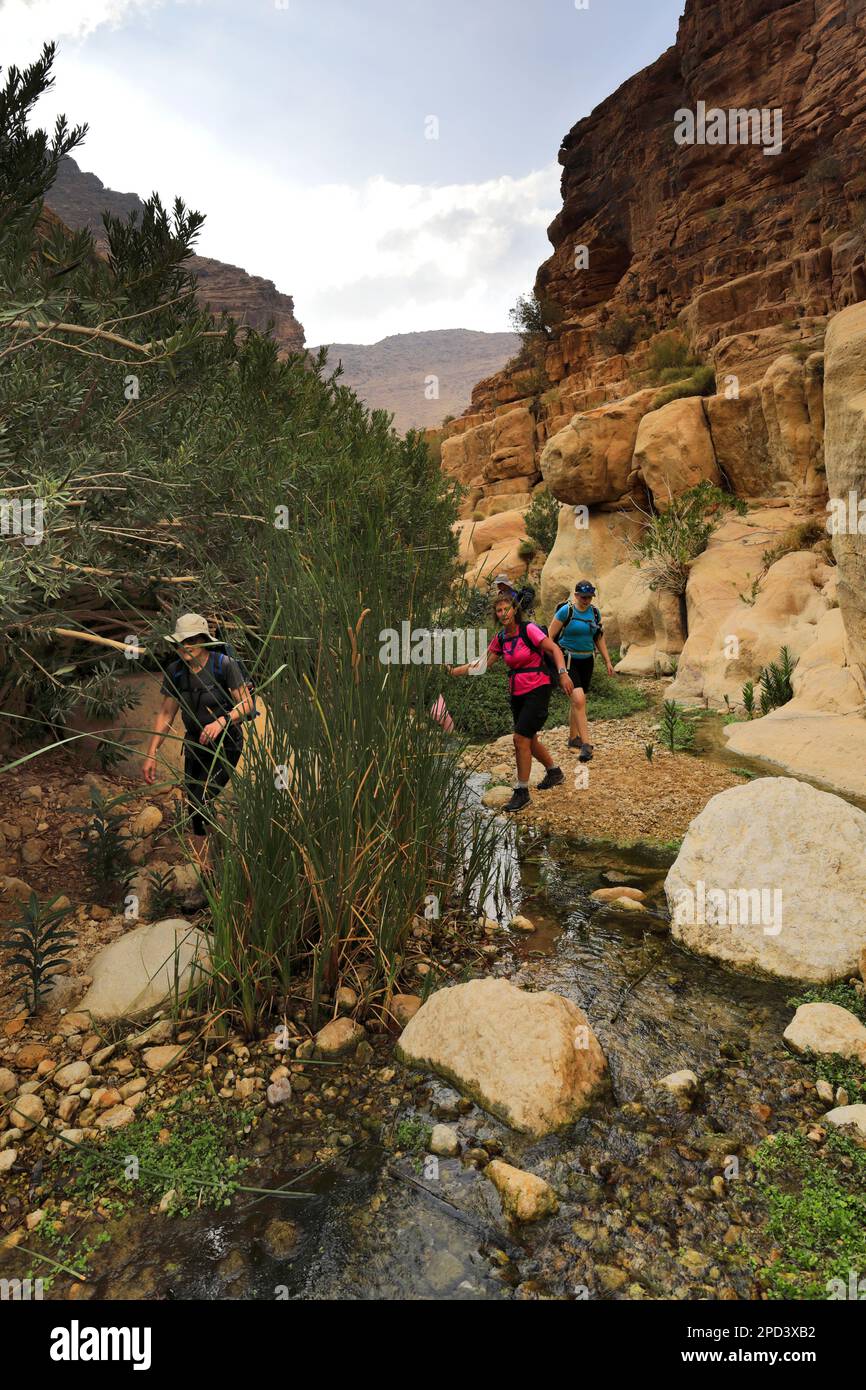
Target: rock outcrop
530 1059
771 878
845 408
80 199
747 256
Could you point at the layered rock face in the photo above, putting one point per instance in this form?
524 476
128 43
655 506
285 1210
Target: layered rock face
746 254
80 199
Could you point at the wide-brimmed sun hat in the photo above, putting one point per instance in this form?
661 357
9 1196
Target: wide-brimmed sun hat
190 625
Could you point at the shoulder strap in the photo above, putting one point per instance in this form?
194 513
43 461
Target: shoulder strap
527 639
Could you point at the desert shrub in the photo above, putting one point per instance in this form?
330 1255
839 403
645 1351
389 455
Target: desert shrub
670 352
800 537
619 334
673 539
541 520
701 382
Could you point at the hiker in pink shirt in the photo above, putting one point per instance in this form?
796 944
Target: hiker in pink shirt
533 663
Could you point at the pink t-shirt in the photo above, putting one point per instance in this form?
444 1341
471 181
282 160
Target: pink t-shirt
517 654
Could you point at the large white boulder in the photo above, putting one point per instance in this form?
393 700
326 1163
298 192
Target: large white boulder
146 968
771 878
530 1059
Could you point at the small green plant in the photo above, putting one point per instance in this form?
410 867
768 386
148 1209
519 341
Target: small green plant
816 1214
412 1135
776 687
527 550
674 731
749 699
800 537
106 848
752 596
541 520
649 749
36 948
162 892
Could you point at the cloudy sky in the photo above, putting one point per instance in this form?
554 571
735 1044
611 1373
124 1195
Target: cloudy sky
390 163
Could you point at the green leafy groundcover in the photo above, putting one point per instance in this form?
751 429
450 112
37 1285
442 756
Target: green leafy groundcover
816 1204
480 707
188 1148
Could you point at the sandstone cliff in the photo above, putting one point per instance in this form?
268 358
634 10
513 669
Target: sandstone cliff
743 254
80 199
741 260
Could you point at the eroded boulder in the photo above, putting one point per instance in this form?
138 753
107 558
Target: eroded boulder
530 1059
771 878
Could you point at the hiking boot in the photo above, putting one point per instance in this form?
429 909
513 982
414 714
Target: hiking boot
551 778
585 753
519 799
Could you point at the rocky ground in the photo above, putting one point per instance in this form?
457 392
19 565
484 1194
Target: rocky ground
626 799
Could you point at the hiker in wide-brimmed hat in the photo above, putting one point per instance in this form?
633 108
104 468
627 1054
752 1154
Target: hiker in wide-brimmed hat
212 691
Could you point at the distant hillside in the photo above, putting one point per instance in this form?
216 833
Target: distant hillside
393 374
80 200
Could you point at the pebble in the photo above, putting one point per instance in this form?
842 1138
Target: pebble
444 1141
27 1112
160 1058
73 1074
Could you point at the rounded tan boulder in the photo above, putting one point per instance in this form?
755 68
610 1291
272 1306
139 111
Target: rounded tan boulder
674 450
530 1059
590 459
771 878
827 1029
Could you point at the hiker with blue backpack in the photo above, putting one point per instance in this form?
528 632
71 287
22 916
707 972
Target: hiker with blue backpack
534 662
212 691
577 629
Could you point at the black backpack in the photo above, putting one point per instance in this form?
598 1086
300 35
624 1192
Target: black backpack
199 691
571 611
547 665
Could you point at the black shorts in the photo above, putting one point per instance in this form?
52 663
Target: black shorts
206 771
530 710
580 670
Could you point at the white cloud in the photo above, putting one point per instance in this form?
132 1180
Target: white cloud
362 261
26 24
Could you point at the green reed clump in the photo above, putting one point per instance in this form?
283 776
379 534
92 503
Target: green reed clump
350 809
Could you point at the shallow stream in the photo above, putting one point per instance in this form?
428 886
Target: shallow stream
639 1216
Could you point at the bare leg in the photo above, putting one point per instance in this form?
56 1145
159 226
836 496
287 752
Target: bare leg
539 751
578 723
523 757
